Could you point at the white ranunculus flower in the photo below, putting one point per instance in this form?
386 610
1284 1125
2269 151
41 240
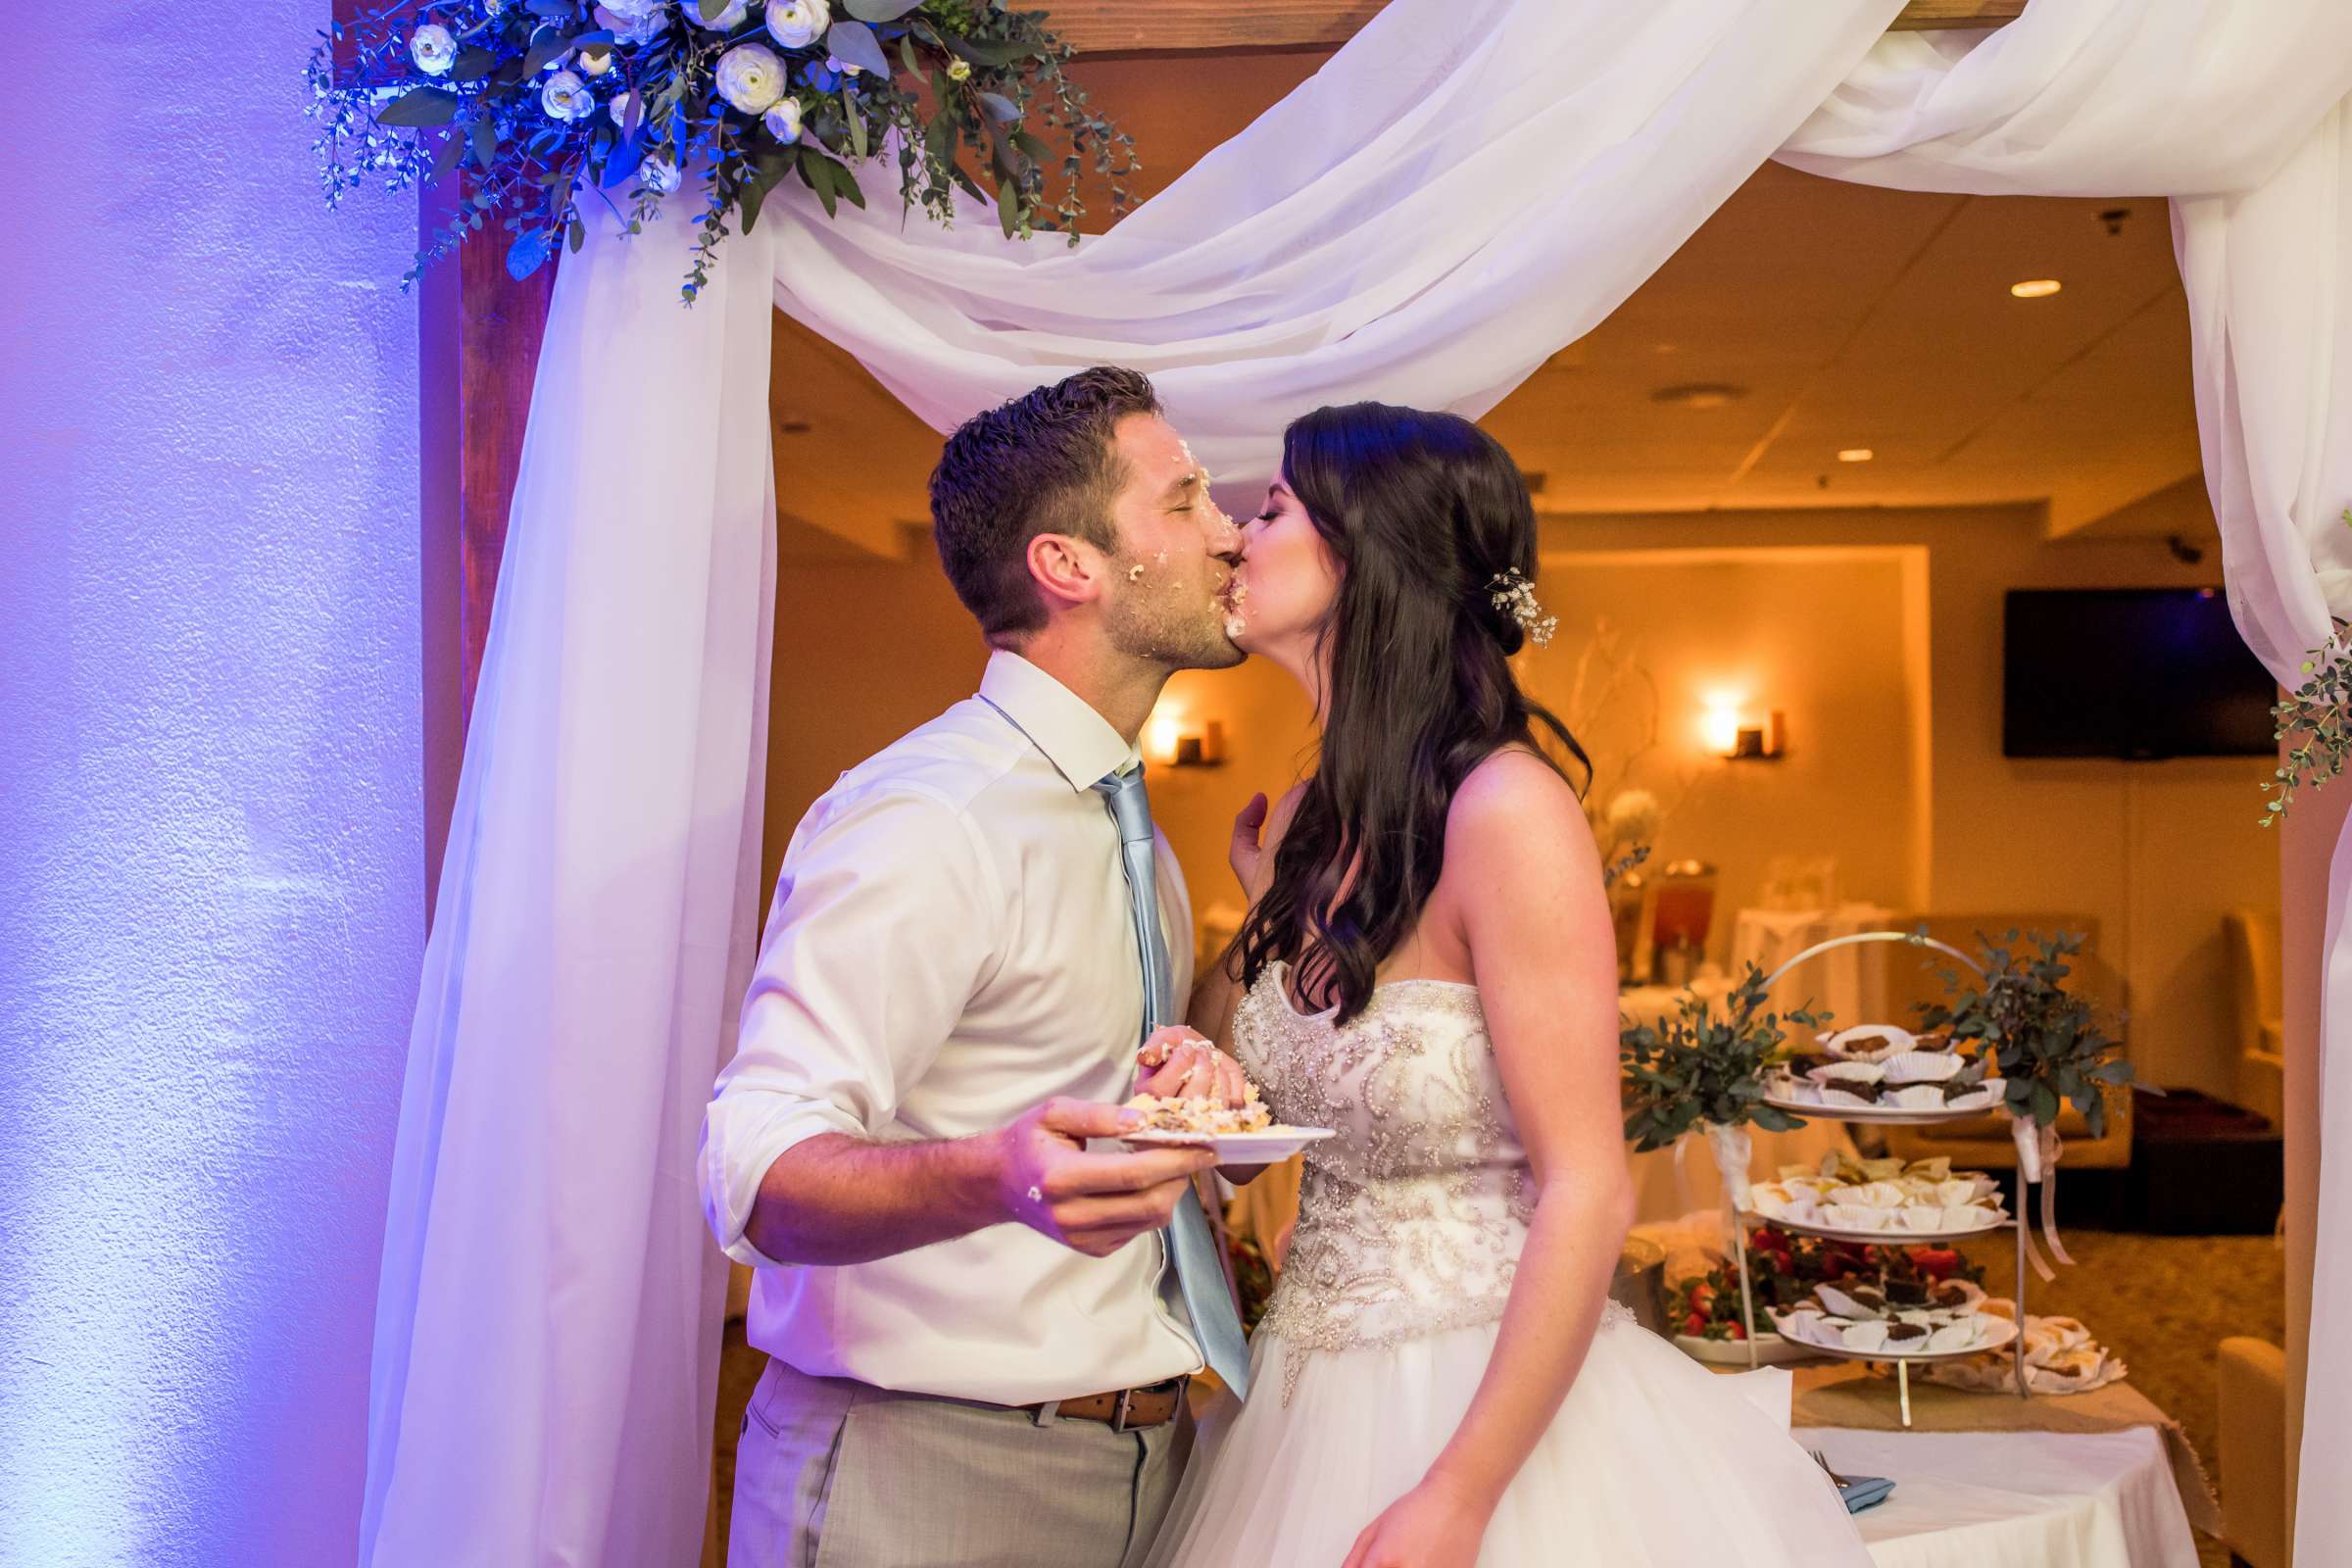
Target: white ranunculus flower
783 121
751 76
660 174
619 106
727 21
566 97
597 59
432 48
635 22
798 23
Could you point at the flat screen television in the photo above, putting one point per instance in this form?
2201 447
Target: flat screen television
2130 673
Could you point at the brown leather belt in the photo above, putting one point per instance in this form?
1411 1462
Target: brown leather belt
1127 1409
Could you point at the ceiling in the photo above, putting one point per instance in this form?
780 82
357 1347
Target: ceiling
1847 316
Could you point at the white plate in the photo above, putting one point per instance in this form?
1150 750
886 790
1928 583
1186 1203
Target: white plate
2000 1331
1771 1349
1885 1238
1879 1115
1236 1148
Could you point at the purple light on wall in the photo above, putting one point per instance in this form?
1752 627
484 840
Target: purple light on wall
211 876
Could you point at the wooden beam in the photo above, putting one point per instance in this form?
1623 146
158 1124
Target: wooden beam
1926 16
1195 27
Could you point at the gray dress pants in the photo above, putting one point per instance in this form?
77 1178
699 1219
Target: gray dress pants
836 1474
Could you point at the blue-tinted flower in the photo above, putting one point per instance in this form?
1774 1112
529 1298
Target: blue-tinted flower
798 23
751 76
660 174
634 21
596 59
566 97
783 121
432 48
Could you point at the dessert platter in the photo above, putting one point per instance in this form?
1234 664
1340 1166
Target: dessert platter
1897 1321
2061 1358
1881 1073
1246 1133
1852 1199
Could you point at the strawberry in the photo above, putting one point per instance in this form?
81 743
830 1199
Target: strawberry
1696 1324
1935 1263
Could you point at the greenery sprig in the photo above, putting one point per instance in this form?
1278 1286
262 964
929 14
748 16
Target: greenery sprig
538 106
2315 722
1698 1066
2045 1039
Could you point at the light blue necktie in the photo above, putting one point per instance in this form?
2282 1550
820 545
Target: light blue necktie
1194 1248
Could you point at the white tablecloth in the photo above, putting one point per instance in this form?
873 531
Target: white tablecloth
2016 1500
1842 981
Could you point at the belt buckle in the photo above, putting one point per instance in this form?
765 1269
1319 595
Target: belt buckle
1118 1411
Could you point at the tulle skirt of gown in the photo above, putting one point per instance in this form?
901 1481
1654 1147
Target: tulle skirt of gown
1653 1462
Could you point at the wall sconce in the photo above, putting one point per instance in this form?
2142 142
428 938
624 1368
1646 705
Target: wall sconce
1172 739
1729 734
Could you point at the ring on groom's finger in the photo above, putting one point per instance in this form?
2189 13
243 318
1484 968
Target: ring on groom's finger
1036 1196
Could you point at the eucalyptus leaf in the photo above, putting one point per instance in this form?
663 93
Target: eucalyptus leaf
711 10
421 107
856 120
1007 208
472 64
854 43
545 53
999 107
875 9
528 252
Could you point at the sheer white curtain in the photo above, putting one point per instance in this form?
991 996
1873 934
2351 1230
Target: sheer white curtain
1461 191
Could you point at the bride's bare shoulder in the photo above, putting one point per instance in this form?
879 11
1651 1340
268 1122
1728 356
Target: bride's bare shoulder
1517 802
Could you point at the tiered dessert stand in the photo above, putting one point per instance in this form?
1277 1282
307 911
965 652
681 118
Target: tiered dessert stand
1746 1215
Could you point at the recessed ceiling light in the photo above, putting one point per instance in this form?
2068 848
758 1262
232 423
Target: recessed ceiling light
1698 395
2035 288
1855 454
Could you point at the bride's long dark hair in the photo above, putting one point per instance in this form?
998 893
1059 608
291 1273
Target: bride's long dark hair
1422 512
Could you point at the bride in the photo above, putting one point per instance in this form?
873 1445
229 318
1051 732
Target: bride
1426 967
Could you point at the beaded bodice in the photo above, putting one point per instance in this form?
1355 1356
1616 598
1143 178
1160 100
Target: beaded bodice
1411 1220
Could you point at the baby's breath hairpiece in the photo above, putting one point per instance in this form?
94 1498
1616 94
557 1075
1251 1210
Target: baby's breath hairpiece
1515 597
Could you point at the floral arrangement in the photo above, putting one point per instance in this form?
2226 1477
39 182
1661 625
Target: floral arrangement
541 106
2045 1039
1625 829
1696 1067
1783 1269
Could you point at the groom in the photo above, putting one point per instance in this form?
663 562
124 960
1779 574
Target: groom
980 1330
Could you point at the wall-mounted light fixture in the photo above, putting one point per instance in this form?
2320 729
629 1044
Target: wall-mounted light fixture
1729 731
1173 738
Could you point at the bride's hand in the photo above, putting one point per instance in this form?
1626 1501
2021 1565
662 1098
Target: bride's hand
1436 1525
1178 1063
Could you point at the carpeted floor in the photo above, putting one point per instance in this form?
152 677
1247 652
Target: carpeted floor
2162 1303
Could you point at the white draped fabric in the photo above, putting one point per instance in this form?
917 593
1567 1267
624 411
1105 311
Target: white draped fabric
1464 189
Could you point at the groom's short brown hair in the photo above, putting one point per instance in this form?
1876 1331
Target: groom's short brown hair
1044 463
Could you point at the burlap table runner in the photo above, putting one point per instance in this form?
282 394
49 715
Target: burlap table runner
1850 1394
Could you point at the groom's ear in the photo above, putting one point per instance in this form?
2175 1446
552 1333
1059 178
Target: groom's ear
1067 571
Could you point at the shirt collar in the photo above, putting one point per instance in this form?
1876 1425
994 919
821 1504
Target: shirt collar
1076 739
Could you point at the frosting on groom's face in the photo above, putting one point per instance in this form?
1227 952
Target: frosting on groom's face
1165 598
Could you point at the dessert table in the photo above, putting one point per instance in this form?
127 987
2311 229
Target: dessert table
2097 1479
2016 1500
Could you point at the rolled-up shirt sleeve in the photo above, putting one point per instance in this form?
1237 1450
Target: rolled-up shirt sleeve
886 920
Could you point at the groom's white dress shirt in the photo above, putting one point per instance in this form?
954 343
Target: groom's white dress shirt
950 945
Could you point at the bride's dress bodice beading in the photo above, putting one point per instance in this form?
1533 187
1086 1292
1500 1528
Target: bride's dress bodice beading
1411 1220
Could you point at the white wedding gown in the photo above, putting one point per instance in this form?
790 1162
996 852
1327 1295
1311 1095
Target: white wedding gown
1410 1223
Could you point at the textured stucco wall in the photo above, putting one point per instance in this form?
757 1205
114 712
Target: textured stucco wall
210 871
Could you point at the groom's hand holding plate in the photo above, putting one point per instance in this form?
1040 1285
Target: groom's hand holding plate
1092 1204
